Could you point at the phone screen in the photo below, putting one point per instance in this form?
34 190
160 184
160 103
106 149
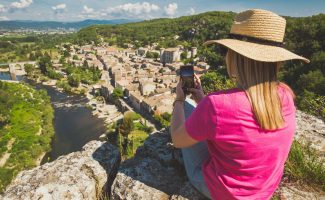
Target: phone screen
187 76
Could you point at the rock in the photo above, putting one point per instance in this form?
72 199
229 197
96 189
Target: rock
103 137
295 192
78 175
153 173
311 129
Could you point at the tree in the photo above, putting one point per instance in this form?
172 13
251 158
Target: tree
313 81
29 69
214 81
45 63
184 55
32 56
74 80
66 53
117 93
155 55
126 127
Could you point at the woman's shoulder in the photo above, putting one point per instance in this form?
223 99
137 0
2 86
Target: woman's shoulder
226 98
227 93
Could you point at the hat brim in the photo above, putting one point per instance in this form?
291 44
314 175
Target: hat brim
259 52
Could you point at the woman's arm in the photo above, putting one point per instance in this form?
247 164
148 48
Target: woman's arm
179 135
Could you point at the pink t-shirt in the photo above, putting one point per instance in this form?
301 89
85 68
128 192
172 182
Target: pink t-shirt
246 162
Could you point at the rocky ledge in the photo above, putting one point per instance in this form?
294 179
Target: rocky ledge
155 172
78 175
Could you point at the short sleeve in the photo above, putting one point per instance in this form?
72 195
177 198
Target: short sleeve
202 123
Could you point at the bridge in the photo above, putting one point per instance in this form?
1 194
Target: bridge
18 67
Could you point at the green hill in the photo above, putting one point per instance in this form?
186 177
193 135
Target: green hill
204 26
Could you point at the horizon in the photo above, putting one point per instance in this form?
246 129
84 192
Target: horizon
66 11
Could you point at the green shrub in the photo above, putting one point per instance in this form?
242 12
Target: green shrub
132 115
74 80
305 165
163 119
136 139
117 93
214 81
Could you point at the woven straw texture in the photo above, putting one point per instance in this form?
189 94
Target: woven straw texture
260 24
258 52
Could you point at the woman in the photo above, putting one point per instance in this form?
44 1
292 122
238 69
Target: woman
235 142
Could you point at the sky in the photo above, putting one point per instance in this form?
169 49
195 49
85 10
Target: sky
78 10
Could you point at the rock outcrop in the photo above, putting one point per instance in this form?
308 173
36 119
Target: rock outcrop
79 175
312 130
155 172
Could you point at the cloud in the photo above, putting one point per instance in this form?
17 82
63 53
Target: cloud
60 8
4 18
191 11
20 4
2 8
171 9
87 10
133 9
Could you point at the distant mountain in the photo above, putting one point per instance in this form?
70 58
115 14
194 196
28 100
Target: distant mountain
45 25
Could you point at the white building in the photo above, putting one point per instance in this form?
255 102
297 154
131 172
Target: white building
169 55
147 87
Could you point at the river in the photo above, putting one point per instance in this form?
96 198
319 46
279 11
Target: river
74 124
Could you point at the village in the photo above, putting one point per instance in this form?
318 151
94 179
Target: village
148 82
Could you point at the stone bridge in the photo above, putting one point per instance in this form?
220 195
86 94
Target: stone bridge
18 67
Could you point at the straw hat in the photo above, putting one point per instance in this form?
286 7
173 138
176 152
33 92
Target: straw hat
258 34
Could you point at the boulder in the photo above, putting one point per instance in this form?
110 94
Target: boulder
153 173
79 175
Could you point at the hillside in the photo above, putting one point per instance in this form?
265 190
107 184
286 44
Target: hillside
26 129
304 35
44 25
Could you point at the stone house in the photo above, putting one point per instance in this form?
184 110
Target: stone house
147 87
135 99
169 55
131 88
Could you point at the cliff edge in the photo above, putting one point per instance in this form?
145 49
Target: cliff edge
155 172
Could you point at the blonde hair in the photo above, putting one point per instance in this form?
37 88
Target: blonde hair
259 80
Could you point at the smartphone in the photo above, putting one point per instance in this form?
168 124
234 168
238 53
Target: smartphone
187 76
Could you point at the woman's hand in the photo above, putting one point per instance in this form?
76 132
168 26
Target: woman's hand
179 91
197 91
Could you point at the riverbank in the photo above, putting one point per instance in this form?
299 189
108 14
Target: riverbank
23 110
99 107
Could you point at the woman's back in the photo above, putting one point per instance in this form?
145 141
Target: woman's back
246 161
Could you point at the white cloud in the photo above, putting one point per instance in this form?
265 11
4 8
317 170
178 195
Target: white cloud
87 10
191 11
4 18
2 8
171 9
60 8
133 9
21 4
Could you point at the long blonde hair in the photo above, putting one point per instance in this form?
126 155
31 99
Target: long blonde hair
259 80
